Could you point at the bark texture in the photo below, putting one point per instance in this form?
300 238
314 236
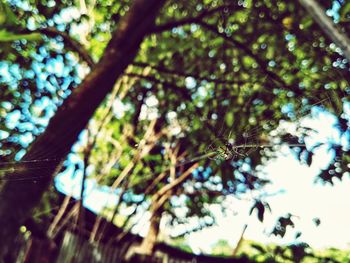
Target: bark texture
23 188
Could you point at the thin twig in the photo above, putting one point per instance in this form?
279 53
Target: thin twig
70 42
191 20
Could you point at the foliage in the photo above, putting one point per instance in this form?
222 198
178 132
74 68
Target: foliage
222 248
295 252
213 75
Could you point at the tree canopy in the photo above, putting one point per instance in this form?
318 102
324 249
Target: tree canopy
172 105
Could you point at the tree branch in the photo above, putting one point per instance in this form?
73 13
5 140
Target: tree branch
184 92
199 21
177 181
327 26
90 146
185 74
18 200
262 63
190 20
70 42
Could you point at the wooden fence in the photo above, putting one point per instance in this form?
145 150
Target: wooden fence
77 249
72 245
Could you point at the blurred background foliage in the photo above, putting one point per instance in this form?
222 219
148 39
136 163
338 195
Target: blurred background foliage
210 75
299 252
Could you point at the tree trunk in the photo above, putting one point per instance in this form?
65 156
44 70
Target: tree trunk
327 25
40 251
149 241
157 208
24 187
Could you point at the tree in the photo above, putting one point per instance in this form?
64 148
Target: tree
219 88
162 77
327 25
71 118
220 93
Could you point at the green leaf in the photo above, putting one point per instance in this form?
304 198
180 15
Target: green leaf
261 210
229 119
6 36
261 249
344 11
317 221
309 158
7 17
2 17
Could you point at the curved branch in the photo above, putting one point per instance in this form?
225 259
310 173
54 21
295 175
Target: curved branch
177 181
190 20
185 74
70 42
261 62
199 21
326 24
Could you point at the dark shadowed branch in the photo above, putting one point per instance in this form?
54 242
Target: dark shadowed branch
192 20
70 42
